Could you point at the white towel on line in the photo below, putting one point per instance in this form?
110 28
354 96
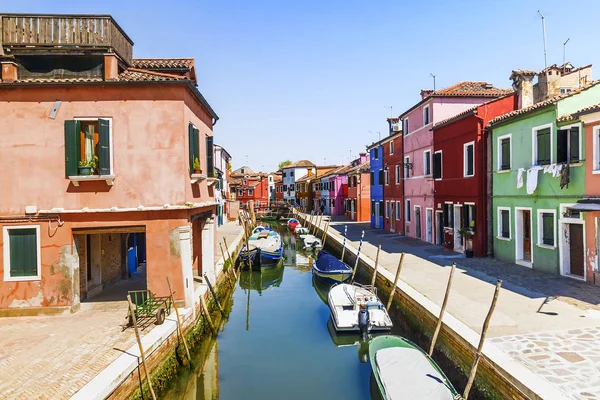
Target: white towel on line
520 178
532 179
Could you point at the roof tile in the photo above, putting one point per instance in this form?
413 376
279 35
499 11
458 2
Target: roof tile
477 89
163 63
140 75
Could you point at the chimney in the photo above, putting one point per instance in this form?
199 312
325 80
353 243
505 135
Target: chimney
111 67
9 71
523 85
426 93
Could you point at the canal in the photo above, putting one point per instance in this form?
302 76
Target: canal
278 342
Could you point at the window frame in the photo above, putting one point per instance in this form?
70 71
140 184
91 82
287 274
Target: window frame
398 210
499 224
6 254
426 108
465 167
405 126
397 175
391 147
596 150
499 149
426 166
250 192
406 169
407 214
581 133
534 150
540 228
386 177
441 165
387 209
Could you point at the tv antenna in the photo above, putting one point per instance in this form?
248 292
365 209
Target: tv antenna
544 32
565 52
391 110
433 76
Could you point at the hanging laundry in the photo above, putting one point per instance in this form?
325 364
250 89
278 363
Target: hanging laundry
532 179
549 169
557 170
520 178
564 176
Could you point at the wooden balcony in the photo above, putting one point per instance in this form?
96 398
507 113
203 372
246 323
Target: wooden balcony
69 33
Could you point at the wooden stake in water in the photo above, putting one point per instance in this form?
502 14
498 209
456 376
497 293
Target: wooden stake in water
375 269
207 314
230 258
344 244
212 291
139 342
362 236
395 286
187 350
442 310
325 229
481 340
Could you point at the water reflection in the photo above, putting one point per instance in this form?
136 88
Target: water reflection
261 280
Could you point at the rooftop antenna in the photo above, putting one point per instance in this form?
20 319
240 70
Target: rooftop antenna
544 32
391 110
433 76
565 52
350 155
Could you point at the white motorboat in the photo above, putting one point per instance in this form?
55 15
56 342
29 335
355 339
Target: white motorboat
356 308
311 242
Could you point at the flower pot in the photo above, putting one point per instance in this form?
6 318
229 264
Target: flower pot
197 171
84 170
469 253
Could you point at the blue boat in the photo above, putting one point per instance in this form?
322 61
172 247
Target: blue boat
266 248
331 270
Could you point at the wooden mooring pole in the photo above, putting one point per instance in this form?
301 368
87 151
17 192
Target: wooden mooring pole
324 237
230 258
362 236
139 342
481 340
442 310
375 269
212 291
187 350
208 318
395 286
344 244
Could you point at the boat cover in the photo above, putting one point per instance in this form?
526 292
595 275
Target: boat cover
328 263
406 373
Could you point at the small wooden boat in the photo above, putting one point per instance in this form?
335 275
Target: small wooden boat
311 242
292 223
356 308
301 230
404 371
266 248
329 269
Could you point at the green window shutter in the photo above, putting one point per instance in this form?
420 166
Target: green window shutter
543 147
191 146
548 229
23 252
72 147
104 146
505 155
505 224
562 145
210 165
574 144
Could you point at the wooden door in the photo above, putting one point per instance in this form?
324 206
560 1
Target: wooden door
418 222
377 214
576 249
526 235
429 219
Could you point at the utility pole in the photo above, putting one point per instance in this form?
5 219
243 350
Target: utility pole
544 32
565 53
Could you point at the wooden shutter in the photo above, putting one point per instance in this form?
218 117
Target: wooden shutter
372 178
562 145
574 144
470 160
23 252
548 229
194 142
505 155
104 147
372 207
505 224
72 147
437 165
427 163
543 147
381 176
210 164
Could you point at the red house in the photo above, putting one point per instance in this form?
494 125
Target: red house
461 180
279 191
393 179
253 186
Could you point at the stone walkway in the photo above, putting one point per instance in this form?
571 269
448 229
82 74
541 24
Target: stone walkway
532 312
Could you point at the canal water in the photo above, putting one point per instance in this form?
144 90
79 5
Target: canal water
278 342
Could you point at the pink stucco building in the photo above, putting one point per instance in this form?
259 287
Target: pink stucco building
421 164
105 172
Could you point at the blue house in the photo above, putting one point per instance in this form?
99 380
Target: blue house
376 169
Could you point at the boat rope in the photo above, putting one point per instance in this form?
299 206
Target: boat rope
348 295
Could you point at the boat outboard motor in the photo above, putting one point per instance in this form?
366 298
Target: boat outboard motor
363 323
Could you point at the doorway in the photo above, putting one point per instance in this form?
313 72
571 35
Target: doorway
458 245
439 227
429 224
352 202
392 216
523 237
377 214
576 250
418 222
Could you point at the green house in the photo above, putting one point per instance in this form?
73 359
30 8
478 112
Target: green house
538 172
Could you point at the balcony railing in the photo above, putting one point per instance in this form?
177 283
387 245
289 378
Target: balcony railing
27 31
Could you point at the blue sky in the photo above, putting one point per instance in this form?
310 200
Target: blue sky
309 79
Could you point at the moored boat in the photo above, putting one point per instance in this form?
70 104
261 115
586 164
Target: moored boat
329 269
301 230
292 223
356 308
266 248
404 371
311 242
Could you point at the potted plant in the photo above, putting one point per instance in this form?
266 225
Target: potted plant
87 167
196 166
467 236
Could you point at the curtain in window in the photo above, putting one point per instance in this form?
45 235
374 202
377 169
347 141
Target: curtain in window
88 131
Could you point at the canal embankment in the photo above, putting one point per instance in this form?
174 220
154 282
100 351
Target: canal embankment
499 375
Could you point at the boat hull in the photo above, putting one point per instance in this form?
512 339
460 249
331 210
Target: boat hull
333 277
347 301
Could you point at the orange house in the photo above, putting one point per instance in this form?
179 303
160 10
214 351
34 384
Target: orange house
105 169
358 201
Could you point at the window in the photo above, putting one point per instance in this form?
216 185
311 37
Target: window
568 143
468 215
242 171
437 165
406 167
292 173
405 125
372 207
88 147
397 211
240 192
387 209
565 90
546 230
245 182
381 177
22 253
427 162
397 174
392 147
468 159
407 210
449 215
386 175
380 207
542 145
372 178
426 118
250 192
596 144
504 153
354 181
210 161
376 153
503 223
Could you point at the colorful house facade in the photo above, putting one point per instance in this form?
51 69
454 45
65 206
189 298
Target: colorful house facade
393 169
461 191
539 173
335 190
420 160
222 171
376 181
290 173
358 202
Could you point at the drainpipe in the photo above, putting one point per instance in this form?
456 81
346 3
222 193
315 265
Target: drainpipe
487 136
